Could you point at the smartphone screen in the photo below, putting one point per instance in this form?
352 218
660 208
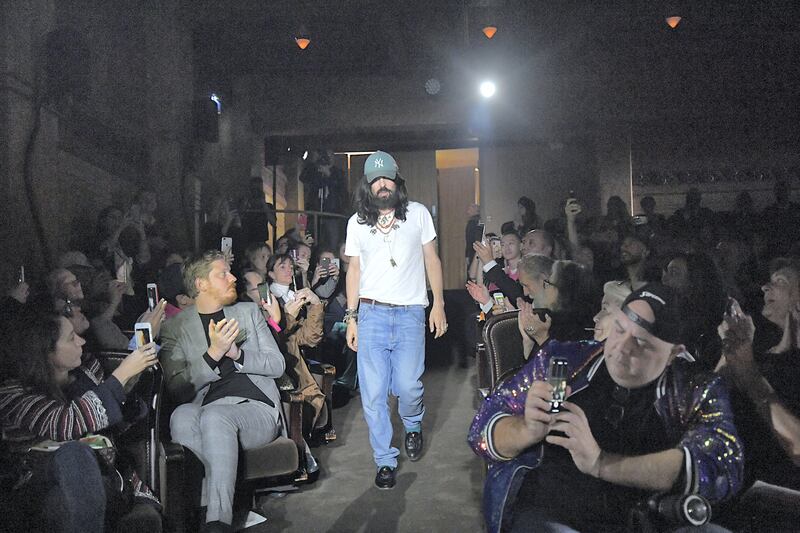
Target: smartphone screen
557 378
499 299
226 244
152 296
263 292
143 333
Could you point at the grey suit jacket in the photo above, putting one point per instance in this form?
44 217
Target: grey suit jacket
183 344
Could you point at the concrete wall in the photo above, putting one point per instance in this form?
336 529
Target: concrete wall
129 128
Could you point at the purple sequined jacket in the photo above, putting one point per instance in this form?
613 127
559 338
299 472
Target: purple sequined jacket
696 413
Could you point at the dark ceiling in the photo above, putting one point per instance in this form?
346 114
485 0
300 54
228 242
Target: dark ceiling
726 62
239 36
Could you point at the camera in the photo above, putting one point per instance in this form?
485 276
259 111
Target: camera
681 509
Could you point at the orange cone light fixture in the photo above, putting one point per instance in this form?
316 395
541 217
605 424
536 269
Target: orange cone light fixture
489 31
673 21
302 42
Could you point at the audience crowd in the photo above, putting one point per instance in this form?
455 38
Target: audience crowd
681 334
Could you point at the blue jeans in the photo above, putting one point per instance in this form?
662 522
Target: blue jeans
391 359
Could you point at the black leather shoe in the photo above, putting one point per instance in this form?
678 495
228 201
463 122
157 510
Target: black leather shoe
384 479
413 445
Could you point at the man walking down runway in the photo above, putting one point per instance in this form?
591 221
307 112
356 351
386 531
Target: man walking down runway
389 241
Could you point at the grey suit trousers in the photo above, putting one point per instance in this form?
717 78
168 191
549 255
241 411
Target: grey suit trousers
213 432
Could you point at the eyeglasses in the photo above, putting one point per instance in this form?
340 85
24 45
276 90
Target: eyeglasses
616 411
546 282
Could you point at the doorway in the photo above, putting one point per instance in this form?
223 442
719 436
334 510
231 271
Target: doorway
458 181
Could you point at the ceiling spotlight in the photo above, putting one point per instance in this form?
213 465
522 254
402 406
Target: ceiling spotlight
488 89
673 21
302 39
489 31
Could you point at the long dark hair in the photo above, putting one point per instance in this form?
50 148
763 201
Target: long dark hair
366 209
31 339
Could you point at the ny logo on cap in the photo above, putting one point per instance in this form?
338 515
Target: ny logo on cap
379 163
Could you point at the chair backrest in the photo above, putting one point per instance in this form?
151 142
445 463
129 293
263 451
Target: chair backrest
142 438
502 349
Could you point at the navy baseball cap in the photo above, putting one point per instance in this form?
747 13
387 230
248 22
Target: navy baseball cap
380 165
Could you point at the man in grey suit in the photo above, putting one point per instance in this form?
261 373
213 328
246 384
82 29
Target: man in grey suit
222 361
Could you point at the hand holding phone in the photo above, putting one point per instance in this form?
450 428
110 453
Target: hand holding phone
152 296
480 233
264 294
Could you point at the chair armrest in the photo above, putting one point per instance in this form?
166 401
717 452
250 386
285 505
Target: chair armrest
325 375
293 403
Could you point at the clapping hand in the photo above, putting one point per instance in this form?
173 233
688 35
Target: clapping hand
479 292
222 335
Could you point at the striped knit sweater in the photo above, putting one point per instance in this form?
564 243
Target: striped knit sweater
93 403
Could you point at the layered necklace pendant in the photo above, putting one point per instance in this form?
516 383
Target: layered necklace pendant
385 224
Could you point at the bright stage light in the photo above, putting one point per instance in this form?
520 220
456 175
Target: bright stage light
488 89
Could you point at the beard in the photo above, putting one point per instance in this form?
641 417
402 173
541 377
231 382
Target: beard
384 202
227 296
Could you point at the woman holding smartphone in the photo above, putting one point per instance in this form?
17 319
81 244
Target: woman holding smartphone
301 327
58 396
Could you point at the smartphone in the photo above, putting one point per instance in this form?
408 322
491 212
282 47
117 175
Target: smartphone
499 299
152 296
480 232
263 292
143 332
226 245
335 261
542 313
21 277
325 263
557 377
122 273
302 220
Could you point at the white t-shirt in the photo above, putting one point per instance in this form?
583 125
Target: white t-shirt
403 284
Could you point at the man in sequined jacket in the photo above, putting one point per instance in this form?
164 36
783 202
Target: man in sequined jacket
636 422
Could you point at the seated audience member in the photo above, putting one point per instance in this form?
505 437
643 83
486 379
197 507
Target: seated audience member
614 293
634 252
220 362
256 256
538 241
58 396
563 298
766 385
475 268
694 277
225 221
496 278
526 219
250 293
656 221
326 278
171 289
334 347
634 424
301 256
63 286
692 216
301 324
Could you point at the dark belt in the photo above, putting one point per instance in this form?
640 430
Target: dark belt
370 301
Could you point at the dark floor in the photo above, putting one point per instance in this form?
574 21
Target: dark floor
439 493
